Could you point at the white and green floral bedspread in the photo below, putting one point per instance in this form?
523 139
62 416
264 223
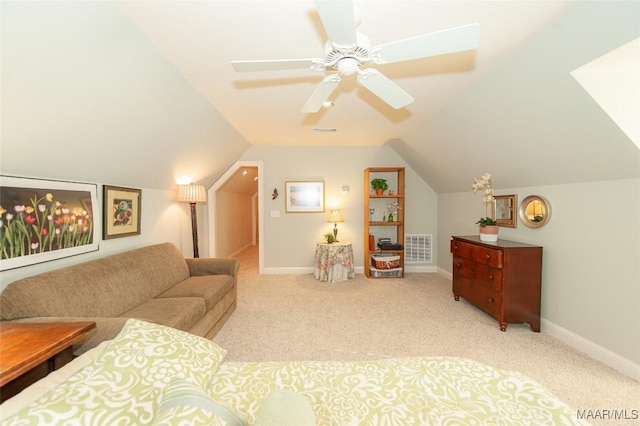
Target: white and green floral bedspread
151 374
405 391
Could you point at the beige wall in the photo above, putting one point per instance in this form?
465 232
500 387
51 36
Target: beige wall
234 222
591 267
290 239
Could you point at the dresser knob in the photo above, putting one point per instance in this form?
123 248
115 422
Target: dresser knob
458 264
491 300
488 256
490 277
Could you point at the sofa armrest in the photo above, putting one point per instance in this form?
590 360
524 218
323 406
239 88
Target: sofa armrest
214 266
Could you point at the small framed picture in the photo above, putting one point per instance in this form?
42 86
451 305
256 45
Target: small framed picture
122 212
304 197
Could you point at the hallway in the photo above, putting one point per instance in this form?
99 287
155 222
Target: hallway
248 260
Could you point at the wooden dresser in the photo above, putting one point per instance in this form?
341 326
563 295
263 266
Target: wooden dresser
502 278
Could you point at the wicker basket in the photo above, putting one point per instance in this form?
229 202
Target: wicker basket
385 262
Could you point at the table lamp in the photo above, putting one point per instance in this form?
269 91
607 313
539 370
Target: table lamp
335 216
193 194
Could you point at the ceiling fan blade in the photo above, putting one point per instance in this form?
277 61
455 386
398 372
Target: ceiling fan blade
384 88
321 93
338 20
457 39
278 64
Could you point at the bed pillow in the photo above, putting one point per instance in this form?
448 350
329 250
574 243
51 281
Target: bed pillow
285 408
124 384
184 403
160 353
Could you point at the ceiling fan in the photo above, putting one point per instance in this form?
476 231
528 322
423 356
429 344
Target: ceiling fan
348 50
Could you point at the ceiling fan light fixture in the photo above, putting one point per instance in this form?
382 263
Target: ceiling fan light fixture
347 66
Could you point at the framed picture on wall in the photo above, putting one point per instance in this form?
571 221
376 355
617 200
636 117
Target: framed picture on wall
44 220
304 197
122 212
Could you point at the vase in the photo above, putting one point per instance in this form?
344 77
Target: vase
390 219
379 191
489 233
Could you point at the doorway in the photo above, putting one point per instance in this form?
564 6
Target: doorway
235 211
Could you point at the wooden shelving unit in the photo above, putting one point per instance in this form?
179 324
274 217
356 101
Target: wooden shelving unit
375 208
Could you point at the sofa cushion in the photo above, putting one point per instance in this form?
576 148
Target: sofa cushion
211 288
119 282
181 313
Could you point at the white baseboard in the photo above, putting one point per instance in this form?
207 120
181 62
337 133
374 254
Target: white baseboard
595 351
420 269
357 269
445 273
237 252
287 271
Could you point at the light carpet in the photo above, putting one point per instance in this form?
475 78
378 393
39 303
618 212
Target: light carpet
296 317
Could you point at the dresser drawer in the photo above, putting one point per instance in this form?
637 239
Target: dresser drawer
477 273
484 298
480 254
489 277
463 267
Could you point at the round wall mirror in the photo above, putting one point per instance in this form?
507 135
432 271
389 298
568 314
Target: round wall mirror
535 211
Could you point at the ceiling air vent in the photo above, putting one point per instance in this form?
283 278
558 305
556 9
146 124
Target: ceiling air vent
324 129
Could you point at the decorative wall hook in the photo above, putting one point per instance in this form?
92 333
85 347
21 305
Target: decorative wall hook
275 194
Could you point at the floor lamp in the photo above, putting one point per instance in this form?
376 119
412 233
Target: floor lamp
193 194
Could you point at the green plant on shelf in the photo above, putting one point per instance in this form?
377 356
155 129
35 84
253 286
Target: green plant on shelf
379 184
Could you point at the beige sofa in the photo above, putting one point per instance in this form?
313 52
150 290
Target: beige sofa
154 283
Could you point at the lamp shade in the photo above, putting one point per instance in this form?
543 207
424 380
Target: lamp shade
335 216
192 194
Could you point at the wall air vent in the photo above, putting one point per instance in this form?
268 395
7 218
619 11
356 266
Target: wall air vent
417 248
324 129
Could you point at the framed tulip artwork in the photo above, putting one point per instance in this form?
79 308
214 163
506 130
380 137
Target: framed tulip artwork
122 209
43 220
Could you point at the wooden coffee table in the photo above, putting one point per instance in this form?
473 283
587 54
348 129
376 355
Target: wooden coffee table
30 351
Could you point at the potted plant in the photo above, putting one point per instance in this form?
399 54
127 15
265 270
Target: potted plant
392 208
329 237
380 185
488 226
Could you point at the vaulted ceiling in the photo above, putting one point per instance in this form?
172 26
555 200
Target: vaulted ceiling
510 106
202 38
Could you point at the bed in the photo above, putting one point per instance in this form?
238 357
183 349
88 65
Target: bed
151 374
